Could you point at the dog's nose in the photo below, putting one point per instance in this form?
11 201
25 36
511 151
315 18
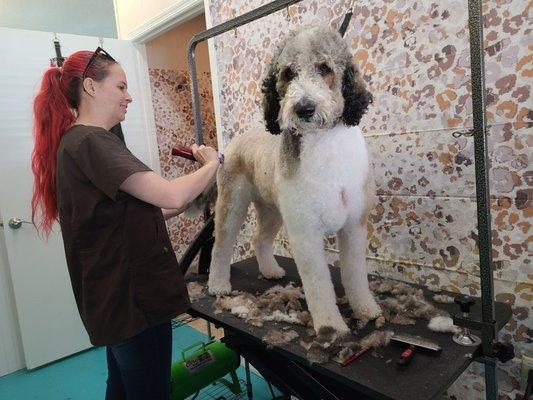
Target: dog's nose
304 109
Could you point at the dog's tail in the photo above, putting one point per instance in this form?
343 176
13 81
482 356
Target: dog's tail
207 198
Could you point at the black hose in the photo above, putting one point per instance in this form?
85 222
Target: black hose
529 385
271 390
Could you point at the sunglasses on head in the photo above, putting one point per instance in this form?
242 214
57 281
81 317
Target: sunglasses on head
99 51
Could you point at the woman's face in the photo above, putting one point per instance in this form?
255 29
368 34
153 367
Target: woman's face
112 94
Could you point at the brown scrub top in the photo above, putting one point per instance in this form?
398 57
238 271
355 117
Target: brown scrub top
124 273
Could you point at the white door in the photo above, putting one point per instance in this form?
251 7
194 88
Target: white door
49 322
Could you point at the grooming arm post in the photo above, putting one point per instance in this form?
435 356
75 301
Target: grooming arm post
481 166
489 336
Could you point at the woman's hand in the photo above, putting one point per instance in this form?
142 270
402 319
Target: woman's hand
204 155
179 192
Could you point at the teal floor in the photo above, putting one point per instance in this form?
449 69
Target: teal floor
83 376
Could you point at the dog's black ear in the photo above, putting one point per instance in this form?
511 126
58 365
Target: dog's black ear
271 101
356 97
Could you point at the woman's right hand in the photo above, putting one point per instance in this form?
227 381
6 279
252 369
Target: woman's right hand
204 154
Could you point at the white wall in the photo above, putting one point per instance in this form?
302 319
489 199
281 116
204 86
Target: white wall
133 13
11 358
170 50
97 16
61 16
136 19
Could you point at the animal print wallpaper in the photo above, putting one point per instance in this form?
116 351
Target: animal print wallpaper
171 96
414 56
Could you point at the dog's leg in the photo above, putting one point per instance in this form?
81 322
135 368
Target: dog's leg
230 211
268 223
308 249
352 245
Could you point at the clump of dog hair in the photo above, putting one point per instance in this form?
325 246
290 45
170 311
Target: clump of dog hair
443 324
381 286
327 344
443 298
433 288
306 342
372 341
241 304
345 353
279 337
305 318
376 339
281 304
196 291
394 288
342 300
401 320
406 304
361 323
380 321
317 354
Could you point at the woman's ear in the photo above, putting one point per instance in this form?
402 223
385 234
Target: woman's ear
271 100
356 97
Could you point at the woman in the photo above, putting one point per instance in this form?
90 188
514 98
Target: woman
111 208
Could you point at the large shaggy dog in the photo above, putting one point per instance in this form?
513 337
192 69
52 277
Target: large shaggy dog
311 172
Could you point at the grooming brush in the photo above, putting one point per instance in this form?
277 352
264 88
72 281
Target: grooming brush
414 342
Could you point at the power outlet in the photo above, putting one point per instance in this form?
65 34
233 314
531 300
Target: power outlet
527 364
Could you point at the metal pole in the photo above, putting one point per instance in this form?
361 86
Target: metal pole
215 31
491 383
475 23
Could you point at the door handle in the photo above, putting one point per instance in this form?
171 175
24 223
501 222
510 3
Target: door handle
16 223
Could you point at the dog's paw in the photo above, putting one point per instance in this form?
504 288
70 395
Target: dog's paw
218 287
336 324
272 272
367 311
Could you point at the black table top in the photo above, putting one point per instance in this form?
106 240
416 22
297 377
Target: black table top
375 373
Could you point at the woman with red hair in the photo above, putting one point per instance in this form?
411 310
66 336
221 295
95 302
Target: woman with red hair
111 208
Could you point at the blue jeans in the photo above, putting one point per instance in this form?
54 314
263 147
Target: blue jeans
139 367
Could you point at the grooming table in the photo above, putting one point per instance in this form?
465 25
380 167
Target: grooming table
374 375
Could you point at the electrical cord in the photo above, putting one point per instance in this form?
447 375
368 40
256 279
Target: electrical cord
271 390
529 385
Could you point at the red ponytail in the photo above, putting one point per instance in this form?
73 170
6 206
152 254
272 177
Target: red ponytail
52 118
54 113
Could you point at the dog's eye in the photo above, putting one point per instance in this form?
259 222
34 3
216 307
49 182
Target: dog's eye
288 74
323 69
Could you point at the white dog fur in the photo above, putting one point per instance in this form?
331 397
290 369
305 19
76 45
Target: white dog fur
311 172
